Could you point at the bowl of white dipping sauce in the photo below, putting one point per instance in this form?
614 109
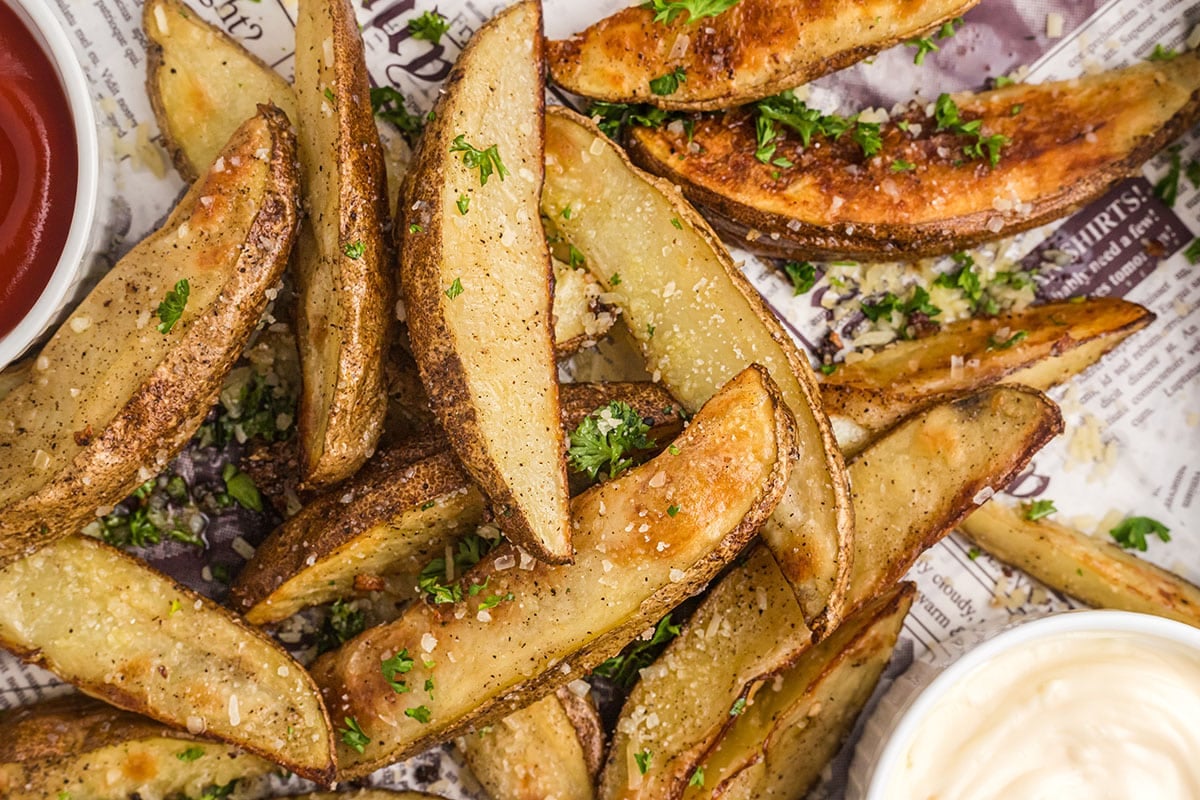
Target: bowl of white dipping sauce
1087 704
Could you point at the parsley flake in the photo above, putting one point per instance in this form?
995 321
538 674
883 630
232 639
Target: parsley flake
697 778
924 46
739 706
353 736
665 11
399 664
643 760
675 221
190 754
1192 253
803 276
354 250
241 488
1132 532
623 669
421 714
606 438
456 288
1039 509
668 83
390 106
433 581
1160 53
495 600
1016 338
343 624
900 165
1167 189
171 308
487 161
429 27
672 510
464 204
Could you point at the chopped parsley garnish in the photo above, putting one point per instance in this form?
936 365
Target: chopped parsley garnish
429 27
252 406
900 165
432 580
1192 253
343 624
785 109
566 213
174 608
171 308
495 600
974 553
917 303
388 104
924 46
190 754
606 439
612 118
1039 509
354 250
666 11
643 760
828 369
421 714
1167 189
241 488
949 28
697 778
866 135
464 204
738 707
456 288
965 279
1192 170
487 161
615 280
1003 80
398 664
330 96
948 119
1132 532
415 228
574 257
216 792
1160 53
141 521
675 221
672 510
622 669
668 83
1016 109
803 276
673 450
997 344
353 736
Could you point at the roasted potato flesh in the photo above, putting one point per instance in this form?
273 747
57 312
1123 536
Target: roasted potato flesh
748 628
699 322
646 540
476 275
580 317
1068 143
532 754
122 632
408 503
915 484
1059 340
1089 569
203 84
343 265
790 731
755 49
79 747
111 398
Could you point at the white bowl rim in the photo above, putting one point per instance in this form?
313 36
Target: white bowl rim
1097 621
79 236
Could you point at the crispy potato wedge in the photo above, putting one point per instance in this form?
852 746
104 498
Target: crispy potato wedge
646 540
1087 568
82 748
921 479
111 400
343 272
362 794
120 631
1070 141
755 49
1063 339
477 281
535 753
203 84
790 731
748 628
404 507
699 321
580 317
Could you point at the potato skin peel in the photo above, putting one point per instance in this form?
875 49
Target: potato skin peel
738 450
181 386
1070 141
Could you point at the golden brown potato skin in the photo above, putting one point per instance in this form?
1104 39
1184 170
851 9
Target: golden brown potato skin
1070 141
755 49
343 259
142 398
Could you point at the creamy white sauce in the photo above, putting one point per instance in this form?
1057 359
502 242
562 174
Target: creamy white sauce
1081 715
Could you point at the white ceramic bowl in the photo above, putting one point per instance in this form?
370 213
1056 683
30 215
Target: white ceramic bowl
73 265
890 730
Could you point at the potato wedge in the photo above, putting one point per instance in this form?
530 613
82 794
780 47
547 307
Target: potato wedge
755 49
1062 340
534 754
410 502
790 731
646 541
1087 568
699 321
1070 141
203 84
111 399
748 628
362 794
120 631
82 748
477 280
343 272
580 317
943 463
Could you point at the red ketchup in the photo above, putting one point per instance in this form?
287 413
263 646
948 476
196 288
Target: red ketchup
39 169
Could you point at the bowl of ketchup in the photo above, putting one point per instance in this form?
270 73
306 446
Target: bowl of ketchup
49 173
